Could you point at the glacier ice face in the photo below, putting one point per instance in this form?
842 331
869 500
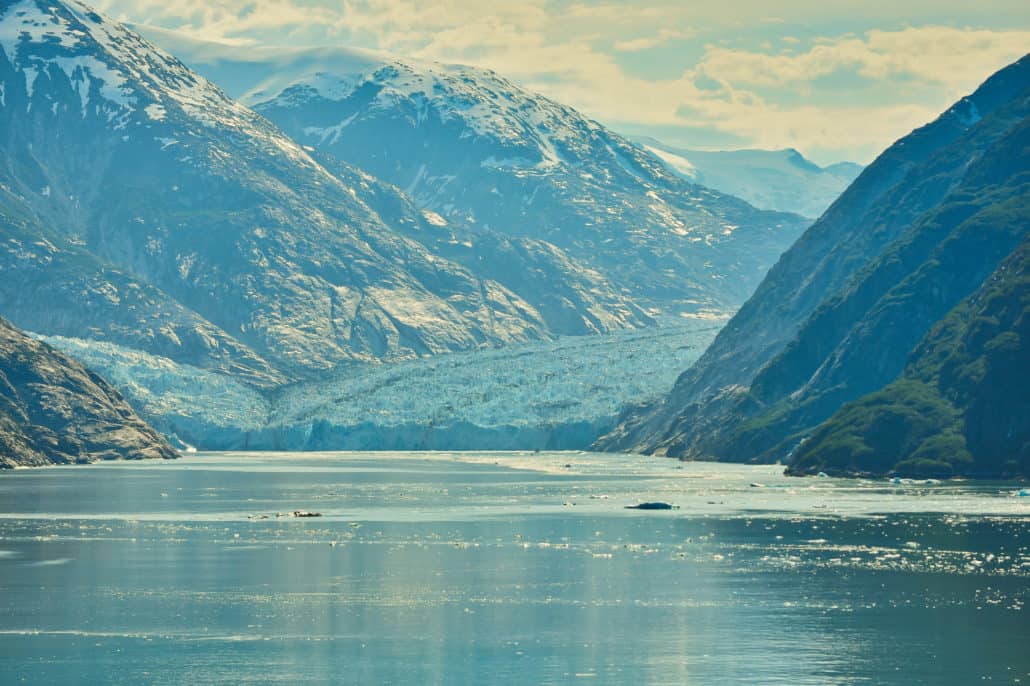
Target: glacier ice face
563 381
178 399
561 393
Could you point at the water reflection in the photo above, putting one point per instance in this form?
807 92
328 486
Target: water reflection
453 569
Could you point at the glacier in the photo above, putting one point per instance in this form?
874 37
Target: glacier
557 394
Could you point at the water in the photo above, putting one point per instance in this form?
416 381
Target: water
505 568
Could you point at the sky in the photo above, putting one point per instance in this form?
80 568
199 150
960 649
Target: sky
836 79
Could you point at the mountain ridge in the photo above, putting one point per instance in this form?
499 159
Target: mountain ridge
780 180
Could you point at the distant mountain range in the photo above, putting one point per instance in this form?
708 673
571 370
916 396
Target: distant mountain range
144 210
935 223
782 180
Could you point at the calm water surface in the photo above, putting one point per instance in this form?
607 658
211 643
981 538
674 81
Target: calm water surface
505 568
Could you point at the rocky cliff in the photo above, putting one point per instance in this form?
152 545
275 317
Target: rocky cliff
55 411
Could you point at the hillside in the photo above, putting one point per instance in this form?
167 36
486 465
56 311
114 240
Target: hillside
836 318
960 408
54 411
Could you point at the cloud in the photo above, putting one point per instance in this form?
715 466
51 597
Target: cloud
954 58
736 91
653 41
227 21
847 92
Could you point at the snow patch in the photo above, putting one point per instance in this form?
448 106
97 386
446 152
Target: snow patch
433 218
84 70
25 22
680 165
329 134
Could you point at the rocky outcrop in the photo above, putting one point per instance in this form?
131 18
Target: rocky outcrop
55 411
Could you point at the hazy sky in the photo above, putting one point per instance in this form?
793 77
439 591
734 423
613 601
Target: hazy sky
835 79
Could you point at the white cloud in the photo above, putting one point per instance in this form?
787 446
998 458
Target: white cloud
651 41
765 96
954 58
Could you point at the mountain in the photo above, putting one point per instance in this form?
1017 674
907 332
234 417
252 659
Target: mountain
837 317
960 408
141 205
55 411
478 151
782 180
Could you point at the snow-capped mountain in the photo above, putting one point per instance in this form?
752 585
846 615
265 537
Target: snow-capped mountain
782 180
141 204
476 150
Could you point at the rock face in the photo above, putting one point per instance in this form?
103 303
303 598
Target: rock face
962 405
781 180
141 205
55 411
477 151
838 316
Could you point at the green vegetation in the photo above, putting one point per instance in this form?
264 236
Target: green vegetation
841 314
962 405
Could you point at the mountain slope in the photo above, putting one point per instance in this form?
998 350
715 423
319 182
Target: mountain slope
54 411
961 407
53 283
781 180
917 231
859 340
479 151
194 228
